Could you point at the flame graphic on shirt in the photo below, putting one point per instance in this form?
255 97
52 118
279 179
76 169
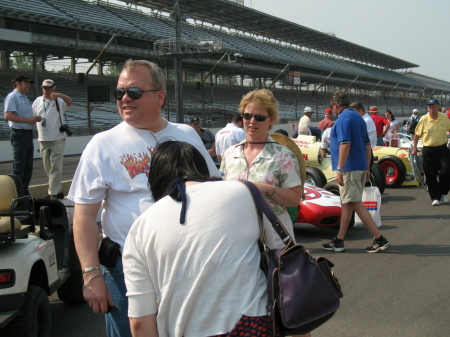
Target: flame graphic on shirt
136 164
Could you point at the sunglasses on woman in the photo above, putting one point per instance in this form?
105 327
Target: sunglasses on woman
259 118
133 93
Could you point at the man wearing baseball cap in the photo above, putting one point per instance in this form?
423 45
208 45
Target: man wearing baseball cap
208 138
18 113
51 107
306 119
327 121
432 129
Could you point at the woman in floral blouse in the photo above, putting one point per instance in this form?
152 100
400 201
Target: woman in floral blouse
263 161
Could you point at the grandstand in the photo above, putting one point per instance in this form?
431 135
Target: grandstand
77 30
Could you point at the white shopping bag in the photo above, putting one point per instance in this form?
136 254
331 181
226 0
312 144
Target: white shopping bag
371 199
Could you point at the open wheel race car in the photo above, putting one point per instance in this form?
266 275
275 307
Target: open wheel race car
392 165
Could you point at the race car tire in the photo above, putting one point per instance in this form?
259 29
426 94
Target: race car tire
333 187
315 176
394 170
35 316
377 177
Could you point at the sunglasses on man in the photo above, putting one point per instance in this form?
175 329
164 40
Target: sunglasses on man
259 118
133 93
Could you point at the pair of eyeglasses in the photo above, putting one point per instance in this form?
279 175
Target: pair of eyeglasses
133 93
259 118
47 88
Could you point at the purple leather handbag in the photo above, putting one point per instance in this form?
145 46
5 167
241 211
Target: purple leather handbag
303 292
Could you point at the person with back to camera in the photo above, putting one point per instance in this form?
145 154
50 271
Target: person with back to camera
51 107
327 121
263 161
113 173
19 114
232 134
381 124
350 158
432 129
394 127
192 267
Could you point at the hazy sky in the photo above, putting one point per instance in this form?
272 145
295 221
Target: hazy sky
417 31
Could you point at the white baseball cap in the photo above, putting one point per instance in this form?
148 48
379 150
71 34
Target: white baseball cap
48 83
307 109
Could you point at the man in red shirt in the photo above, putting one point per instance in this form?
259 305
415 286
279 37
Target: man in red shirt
327 122
381 124
448 113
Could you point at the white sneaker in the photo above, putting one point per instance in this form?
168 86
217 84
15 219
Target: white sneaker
435 203
444 199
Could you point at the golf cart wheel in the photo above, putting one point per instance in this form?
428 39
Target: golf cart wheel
35 317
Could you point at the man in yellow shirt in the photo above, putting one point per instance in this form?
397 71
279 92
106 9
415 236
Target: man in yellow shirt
432 128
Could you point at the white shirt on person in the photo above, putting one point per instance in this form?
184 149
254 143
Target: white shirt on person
114 169
371 129
230 135
200 277
48 128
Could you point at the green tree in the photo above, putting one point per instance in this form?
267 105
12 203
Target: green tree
21 60
112 70
65 70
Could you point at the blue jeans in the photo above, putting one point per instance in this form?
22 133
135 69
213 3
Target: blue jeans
380 141
117 324
23 148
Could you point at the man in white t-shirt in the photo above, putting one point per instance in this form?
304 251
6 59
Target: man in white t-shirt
371 128
51 107
306 119
232 134
113 173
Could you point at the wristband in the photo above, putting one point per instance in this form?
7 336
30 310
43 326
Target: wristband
88 269
339 170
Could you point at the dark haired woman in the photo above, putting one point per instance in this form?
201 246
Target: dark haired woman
191 261
394 127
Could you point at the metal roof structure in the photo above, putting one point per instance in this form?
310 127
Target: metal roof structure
235 16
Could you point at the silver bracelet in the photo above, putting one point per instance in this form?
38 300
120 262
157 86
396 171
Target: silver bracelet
89 281
88 269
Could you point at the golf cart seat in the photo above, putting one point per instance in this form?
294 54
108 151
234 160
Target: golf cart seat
16 210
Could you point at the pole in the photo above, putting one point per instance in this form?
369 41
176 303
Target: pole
88 106
178 65
279 74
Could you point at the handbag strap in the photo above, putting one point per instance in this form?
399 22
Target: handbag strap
262 207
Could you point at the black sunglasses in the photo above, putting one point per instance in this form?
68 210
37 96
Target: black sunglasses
133 93
259 118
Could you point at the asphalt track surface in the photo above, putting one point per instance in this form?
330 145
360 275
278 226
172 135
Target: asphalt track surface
404 291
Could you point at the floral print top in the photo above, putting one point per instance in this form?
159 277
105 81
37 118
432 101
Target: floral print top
274 165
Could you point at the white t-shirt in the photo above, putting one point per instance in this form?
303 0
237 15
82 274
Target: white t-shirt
326 137
392 129
114 169
202 276
230 135
371 129
46 108
305 120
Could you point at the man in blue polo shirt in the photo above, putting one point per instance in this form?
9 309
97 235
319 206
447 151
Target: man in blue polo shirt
18 113
350 157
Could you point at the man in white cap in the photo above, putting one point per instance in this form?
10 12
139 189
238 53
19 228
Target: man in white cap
306 119
51 107
415 116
